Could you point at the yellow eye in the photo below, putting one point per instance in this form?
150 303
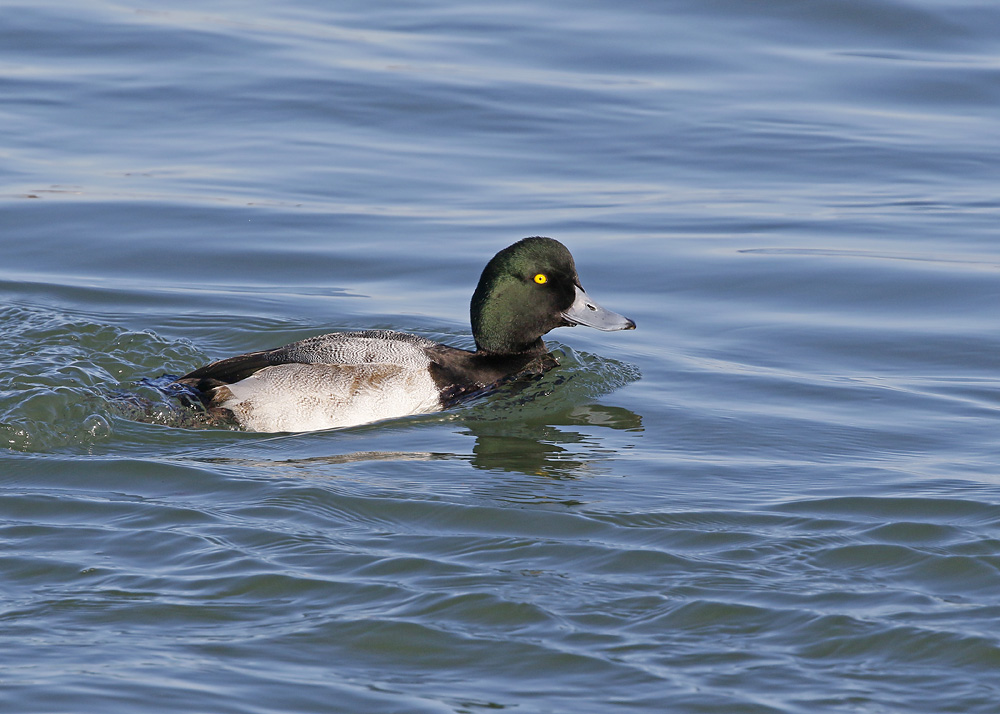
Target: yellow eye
541 279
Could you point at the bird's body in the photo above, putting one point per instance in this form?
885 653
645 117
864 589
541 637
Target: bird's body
349 378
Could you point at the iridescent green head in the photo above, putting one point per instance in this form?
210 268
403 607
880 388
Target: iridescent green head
528 289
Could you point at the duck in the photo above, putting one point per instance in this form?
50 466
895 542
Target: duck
344 379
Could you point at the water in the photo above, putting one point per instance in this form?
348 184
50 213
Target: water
779 494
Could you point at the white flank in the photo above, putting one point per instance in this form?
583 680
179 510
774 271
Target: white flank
308 397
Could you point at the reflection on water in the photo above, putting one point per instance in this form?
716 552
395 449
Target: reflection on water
546 447
314 465
524 429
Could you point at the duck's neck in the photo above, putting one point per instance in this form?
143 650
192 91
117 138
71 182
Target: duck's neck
488 349
506 366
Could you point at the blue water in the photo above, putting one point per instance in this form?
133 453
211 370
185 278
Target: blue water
779 494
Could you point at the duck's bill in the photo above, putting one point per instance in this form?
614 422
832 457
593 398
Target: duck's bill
585 311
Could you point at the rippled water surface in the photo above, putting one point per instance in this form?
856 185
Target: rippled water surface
779 494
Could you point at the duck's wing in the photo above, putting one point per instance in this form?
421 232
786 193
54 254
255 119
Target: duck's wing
337 348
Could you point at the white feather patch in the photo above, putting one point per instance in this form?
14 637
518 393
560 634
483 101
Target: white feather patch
308 397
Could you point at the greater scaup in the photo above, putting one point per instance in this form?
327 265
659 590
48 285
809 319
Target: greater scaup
348 378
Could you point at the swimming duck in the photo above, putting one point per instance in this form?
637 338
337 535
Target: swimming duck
349 378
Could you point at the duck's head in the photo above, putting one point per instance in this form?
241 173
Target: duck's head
528 289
